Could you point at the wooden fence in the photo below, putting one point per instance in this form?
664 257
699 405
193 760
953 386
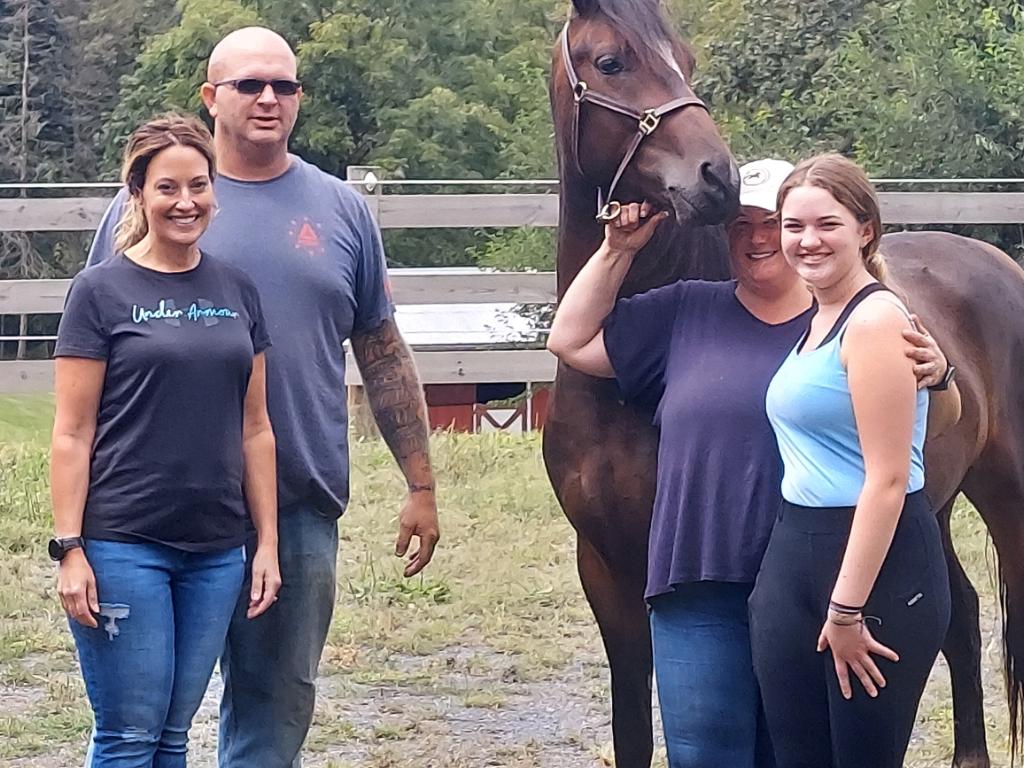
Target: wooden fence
401 211
429 211
438 365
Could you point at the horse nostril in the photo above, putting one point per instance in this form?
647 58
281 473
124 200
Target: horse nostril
722 177
707 172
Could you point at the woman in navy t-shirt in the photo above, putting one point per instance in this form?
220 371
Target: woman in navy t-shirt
162 453
702 354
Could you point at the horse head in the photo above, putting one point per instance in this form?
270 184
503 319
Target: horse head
616 67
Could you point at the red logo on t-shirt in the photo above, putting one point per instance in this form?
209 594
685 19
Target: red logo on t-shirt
306 235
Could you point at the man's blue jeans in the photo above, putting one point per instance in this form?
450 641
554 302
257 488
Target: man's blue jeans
710 703
162 621
270 663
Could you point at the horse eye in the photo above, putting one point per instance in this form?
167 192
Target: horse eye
609 65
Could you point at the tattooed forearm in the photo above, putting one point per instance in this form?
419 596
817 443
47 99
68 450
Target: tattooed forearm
396 399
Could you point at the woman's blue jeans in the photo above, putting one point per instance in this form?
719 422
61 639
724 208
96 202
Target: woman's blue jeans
710 703
162 621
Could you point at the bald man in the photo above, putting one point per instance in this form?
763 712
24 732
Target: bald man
313 250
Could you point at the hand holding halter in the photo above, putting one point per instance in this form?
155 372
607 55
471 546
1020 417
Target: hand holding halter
648 121
632 228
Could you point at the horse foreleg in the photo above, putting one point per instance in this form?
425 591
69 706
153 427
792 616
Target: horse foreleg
962 649
617 599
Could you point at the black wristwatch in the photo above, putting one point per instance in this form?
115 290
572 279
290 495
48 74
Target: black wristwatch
947 379
58 548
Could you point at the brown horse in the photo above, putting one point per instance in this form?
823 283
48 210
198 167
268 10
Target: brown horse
601 454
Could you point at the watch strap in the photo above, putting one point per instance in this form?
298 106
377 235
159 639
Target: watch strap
947 379
59 547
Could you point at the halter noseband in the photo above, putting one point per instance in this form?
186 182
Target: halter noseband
647 122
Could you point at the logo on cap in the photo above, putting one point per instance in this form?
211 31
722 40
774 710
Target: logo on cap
756 176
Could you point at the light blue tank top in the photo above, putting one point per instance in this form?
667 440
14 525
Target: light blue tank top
811 410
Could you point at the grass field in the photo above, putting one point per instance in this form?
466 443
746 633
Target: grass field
490 659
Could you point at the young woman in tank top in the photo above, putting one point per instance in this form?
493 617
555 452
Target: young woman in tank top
851 603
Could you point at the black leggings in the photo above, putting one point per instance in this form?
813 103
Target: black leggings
811 724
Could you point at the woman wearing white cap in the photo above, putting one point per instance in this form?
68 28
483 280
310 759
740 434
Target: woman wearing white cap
719 470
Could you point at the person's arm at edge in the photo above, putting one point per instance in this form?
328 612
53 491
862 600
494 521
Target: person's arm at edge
78 384
260 485
395 395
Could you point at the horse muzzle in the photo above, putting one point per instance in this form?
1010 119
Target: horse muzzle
707 194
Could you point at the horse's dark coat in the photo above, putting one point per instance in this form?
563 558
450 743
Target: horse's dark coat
601 455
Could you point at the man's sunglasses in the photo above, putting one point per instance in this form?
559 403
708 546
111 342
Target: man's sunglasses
251 86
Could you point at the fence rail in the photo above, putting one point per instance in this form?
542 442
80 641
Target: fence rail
409 286
536 366
403 211
429 211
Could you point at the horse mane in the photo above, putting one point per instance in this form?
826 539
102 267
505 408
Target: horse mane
644 27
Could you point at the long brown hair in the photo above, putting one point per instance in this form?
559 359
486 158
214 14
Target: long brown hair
849 185
145 143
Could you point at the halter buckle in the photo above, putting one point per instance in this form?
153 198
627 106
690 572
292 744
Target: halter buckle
649 122
609 212
579 91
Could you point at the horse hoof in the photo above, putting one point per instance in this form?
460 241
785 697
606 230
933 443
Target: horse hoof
972 761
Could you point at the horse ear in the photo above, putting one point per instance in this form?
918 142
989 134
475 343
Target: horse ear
585 7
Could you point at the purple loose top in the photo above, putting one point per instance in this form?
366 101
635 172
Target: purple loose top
702 361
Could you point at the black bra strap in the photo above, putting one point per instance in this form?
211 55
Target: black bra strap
851 305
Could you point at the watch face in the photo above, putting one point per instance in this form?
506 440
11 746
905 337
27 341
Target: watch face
55 549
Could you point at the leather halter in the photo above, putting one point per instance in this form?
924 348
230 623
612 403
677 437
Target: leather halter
647 122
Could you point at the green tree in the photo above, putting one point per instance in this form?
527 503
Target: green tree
171 67
105 44
458 92
923 88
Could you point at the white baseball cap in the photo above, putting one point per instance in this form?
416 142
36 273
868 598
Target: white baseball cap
760 182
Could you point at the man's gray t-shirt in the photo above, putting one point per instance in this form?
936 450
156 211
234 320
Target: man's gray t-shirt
313 250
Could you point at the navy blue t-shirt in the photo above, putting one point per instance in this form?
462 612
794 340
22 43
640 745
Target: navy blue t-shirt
313 250
167 456
693 352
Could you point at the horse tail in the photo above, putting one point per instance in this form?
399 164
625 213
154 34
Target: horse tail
1011 599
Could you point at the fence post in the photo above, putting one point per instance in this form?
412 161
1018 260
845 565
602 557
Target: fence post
360 413
370 189
22 333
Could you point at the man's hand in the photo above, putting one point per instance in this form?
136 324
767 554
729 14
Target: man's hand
266 580
396 398
418 518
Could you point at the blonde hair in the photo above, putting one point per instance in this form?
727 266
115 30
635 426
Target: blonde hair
849 185
145 143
